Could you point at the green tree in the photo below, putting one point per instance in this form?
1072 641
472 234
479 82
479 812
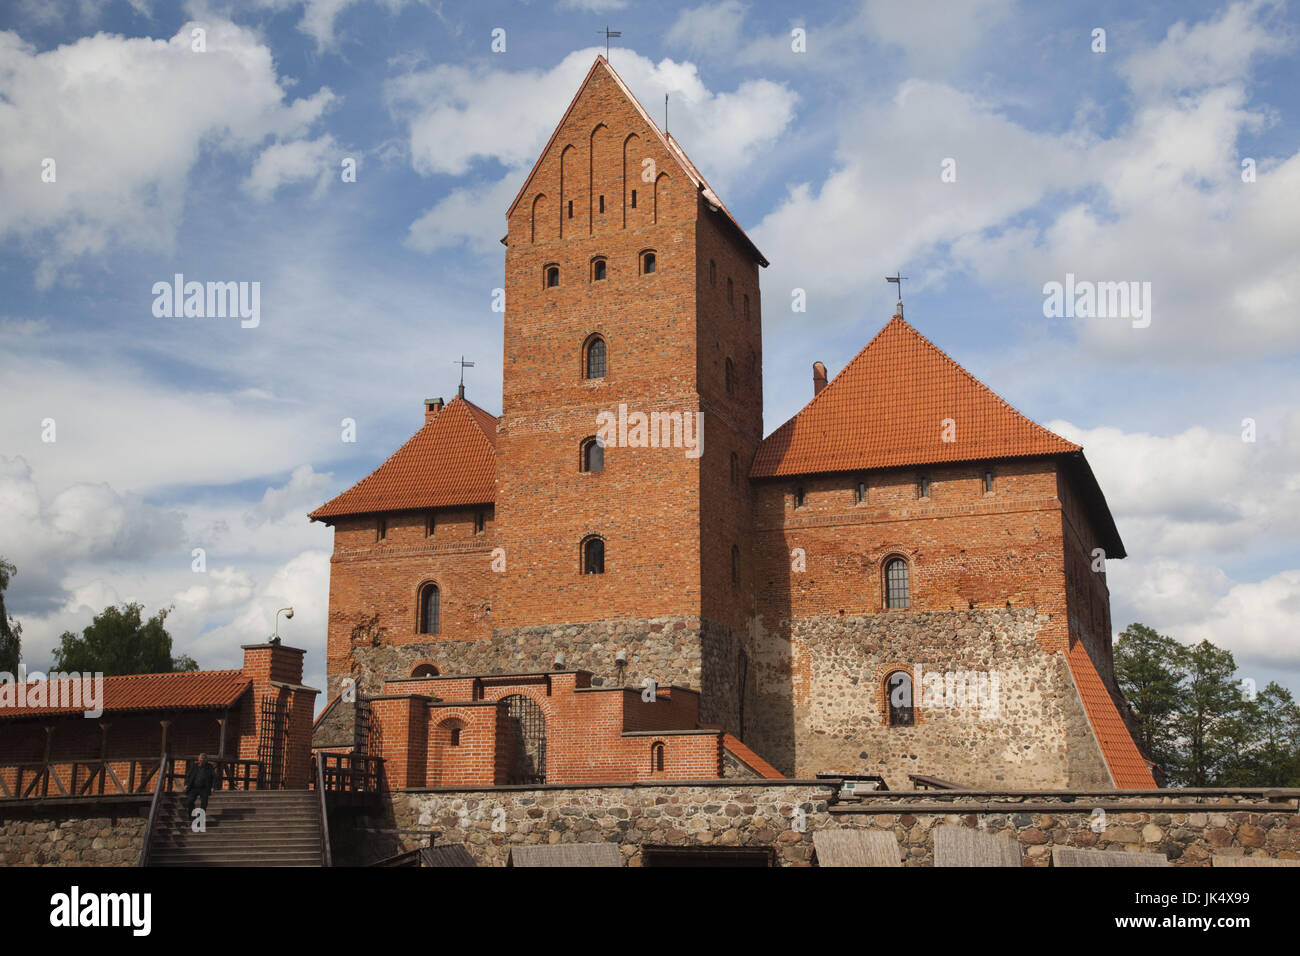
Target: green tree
11 632
1147 667
119 641
1206 720
1265 738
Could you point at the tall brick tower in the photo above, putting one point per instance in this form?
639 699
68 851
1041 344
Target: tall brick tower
630 290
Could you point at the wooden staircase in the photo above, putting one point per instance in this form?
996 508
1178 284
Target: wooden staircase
244 828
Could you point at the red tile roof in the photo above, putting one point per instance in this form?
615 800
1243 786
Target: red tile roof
666 140
887 409
1127 767
750 759
191 690
450 461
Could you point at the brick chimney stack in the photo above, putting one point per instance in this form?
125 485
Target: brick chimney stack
819 378
432 406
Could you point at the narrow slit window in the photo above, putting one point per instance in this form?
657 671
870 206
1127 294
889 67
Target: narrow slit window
593 556
988 482
570 208
602 203
634 199
898 686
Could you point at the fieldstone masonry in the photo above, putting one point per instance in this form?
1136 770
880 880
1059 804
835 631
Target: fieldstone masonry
1189 827
834 670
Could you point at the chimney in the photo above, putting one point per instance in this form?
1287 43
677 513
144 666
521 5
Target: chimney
432 406
819 378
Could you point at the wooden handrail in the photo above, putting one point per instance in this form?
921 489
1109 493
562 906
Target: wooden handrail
153 810
326 855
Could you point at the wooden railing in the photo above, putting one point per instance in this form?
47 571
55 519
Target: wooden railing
152 822
319 777
232 773
77 778
349 773
124 777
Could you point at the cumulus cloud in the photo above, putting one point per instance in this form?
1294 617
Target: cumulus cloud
443 107
1197 491
85 522
301 160
124 121
1136 203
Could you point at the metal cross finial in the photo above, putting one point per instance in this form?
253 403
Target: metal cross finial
463 365
898 278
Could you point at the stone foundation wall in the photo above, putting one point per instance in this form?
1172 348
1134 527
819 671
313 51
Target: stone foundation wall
1189 827
821 701
95 835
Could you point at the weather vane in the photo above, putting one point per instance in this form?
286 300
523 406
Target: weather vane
898 278
610 33
463 365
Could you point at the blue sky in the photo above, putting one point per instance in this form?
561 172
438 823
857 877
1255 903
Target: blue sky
175 434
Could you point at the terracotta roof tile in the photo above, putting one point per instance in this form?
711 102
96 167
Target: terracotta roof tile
450 461
190 690
750 759
886 409
1127 767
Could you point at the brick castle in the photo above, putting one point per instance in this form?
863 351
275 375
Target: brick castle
906 578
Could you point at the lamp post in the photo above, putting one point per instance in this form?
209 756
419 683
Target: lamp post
288 615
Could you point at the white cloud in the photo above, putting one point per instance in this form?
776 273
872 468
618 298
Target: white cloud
591 6
300 160
124 120
711 28
934 32
1197 491
1137 204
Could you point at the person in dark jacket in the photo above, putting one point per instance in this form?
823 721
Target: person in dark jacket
199 781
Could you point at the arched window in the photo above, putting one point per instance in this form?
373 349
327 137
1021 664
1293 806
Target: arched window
593 555
424 670
594 366
860 493
647 263
430 609
896 585
593 455
552 276
597 270
657 757
923 487
898 690
731 377
455 736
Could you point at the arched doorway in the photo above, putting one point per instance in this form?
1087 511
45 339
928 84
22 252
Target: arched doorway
526 740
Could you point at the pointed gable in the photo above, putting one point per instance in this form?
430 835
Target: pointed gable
450 461
888 408
602 70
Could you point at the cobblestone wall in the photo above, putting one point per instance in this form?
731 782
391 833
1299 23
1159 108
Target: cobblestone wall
1189 827
75 836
